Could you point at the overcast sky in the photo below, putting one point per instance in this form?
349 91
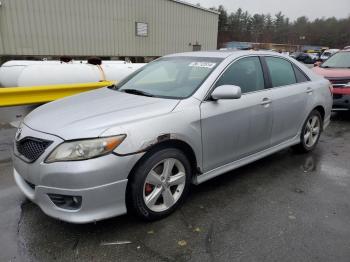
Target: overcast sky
291 8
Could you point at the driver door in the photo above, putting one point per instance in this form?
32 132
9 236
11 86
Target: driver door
235 128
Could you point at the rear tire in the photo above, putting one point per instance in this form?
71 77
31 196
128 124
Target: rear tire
310 133
159 184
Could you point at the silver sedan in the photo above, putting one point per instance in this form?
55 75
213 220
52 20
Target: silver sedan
182 119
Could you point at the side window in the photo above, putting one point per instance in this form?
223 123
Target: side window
301 77
281 71
245 73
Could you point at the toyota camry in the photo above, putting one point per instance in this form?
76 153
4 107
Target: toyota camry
183 119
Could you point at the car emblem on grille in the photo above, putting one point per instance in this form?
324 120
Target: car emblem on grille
18 134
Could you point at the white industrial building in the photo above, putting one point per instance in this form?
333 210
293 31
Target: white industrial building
104 28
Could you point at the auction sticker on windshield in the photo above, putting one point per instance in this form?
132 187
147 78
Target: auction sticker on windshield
202 64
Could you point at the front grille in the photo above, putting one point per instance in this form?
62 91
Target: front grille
339 82
32 148
337 96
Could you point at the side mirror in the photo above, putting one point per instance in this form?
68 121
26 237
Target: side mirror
226 92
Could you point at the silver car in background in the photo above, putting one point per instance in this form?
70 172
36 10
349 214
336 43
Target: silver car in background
182 119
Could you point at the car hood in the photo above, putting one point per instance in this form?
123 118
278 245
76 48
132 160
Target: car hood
89 114
332 72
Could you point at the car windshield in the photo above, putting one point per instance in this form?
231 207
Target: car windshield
169 77
338 60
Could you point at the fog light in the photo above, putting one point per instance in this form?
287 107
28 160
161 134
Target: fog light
66 202
76 200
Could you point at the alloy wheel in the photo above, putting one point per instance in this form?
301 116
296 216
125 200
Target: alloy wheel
312 131
164 185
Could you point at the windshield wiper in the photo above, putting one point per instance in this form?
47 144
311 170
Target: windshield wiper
136 92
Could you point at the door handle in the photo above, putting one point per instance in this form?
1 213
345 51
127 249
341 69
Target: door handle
309 90
265 102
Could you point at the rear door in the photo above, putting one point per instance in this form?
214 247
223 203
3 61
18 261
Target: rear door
291 90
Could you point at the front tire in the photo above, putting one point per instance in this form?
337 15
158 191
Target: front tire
159 184
310 133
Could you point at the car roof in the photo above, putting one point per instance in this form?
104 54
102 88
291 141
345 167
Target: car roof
224 53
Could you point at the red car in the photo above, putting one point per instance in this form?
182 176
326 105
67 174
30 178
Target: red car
337 70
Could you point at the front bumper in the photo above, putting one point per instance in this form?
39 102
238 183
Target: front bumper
98 203
341 98
100 182
341 102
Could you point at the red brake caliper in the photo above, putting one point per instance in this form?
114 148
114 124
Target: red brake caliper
148 188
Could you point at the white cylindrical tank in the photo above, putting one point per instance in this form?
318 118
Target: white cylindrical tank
117 72
11 70
36 75
32 73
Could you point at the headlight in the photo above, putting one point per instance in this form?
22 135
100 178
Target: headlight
84 149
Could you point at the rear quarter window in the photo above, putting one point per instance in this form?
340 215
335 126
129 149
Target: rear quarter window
300 76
